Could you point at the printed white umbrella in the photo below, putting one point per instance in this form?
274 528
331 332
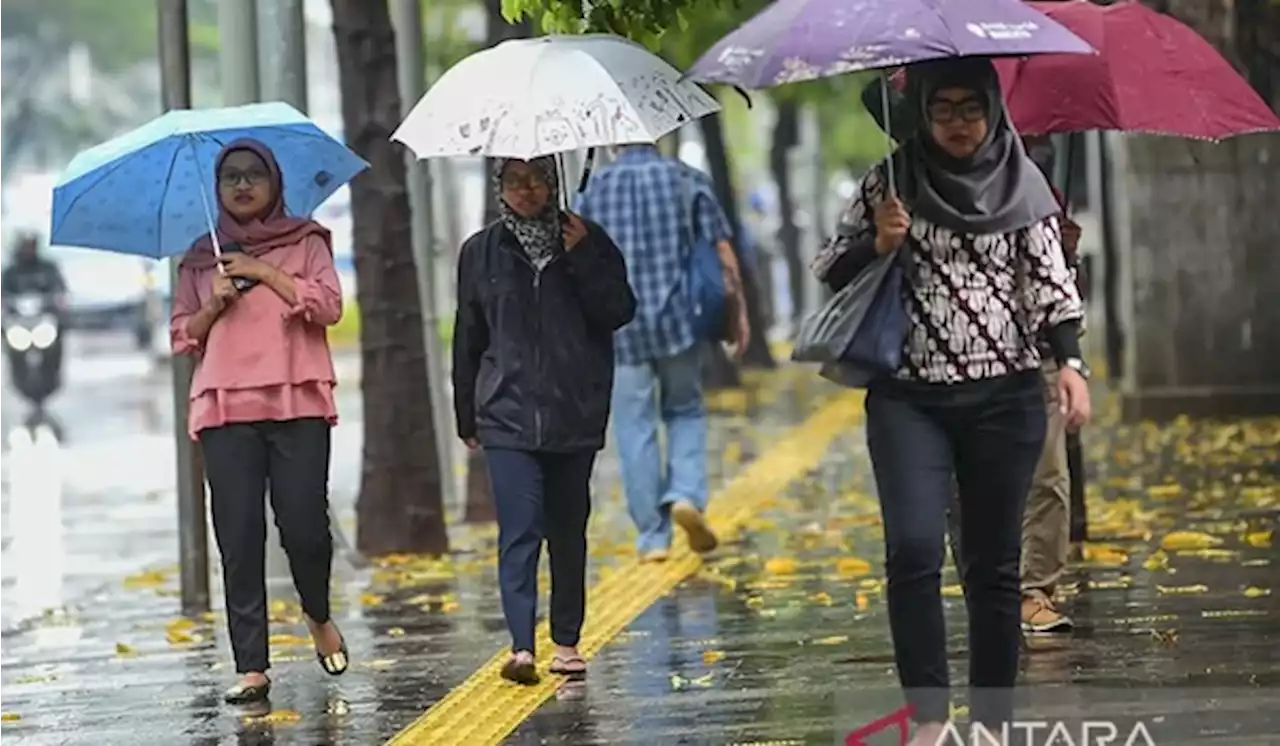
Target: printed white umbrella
551 94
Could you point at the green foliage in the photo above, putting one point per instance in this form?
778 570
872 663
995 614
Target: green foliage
644 21
446 40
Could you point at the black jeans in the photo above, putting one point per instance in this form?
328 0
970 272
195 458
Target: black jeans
241 459
987 435
542 495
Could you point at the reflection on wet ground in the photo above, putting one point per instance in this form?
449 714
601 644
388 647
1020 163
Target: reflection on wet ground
767 643
778 641
416 628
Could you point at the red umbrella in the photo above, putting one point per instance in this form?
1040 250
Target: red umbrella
1151 74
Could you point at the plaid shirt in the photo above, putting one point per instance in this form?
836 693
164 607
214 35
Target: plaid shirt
641 202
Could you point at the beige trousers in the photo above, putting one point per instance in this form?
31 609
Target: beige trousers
1046 523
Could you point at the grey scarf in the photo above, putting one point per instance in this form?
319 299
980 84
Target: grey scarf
539 236
996 190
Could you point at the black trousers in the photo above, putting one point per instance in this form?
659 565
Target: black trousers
241 461
542 495
987 436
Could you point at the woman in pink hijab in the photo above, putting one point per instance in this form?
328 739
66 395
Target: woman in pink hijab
262 399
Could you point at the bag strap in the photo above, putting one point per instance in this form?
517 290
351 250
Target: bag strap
688 209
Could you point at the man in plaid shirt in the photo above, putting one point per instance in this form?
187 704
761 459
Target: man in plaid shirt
651 205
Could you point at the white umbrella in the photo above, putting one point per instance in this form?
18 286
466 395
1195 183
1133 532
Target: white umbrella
529 97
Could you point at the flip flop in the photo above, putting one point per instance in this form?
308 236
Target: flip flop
519 672
568 665
243 694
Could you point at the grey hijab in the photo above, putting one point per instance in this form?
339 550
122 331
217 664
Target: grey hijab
998 189
541 235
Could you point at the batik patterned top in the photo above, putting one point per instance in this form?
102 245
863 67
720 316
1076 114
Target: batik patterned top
977 303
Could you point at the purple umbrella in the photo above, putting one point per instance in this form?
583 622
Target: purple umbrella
796 40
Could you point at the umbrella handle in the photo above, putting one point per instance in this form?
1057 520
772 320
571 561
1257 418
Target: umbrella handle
204 202
885 108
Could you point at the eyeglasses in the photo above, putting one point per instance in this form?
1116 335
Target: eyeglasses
969 110
527 183
253 177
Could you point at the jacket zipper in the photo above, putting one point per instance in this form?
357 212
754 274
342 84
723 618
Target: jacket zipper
537 348
537 355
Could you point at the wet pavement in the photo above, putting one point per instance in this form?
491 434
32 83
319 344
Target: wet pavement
416 627
781 638
87 495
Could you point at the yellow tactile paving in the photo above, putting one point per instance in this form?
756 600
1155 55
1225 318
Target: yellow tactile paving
485 709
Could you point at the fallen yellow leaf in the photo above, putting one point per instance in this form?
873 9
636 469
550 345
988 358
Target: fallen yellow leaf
395 632
1216 555
861 601
277 717
755 602
1182 590
852 567
287 640
1255 592
125 650
781 566
10 717
953 590
1180 540
1107 555
370 599
1259 539
1157 561
711 656
179 637
821 597
147 579
1164 491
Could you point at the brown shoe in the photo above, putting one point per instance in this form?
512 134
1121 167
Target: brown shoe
1040 616
689 518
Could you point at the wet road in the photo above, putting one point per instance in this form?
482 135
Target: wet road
780 639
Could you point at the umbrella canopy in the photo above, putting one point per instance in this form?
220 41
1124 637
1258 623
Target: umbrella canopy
1152 74
529 97
150 192
797 40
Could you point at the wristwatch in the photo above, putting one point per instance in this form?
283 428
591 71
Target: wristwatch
1078 366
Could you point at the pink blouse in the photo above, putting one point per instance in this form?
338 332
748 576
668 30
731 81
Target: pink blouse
263 359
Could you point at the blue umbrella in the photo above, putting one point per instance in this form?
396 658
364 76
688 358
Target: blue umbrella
150 192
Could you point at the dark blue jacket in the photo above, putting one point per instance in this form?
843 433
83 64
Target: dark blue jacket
533 350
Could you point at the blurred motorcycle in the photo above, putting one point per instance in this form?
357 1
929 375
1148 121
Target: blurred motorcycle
33 345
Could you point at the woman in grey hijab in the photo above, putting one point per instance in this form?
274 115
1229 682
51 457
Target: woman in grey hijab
975 224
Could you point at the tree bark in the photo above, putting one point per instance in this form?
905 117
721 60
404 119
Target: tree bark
757 354
399 509
786 135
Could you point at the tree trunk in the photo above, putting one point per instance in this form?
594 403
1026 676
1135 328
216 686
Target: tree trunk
758 354
479 493
786 135
400 508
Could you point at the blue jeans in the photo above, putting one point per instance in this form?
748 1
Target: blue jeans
541 495
667 390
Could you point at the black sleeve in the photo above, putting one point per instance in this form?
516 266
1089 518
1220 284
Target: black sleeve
470 339
1064 340
600 281
850 264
